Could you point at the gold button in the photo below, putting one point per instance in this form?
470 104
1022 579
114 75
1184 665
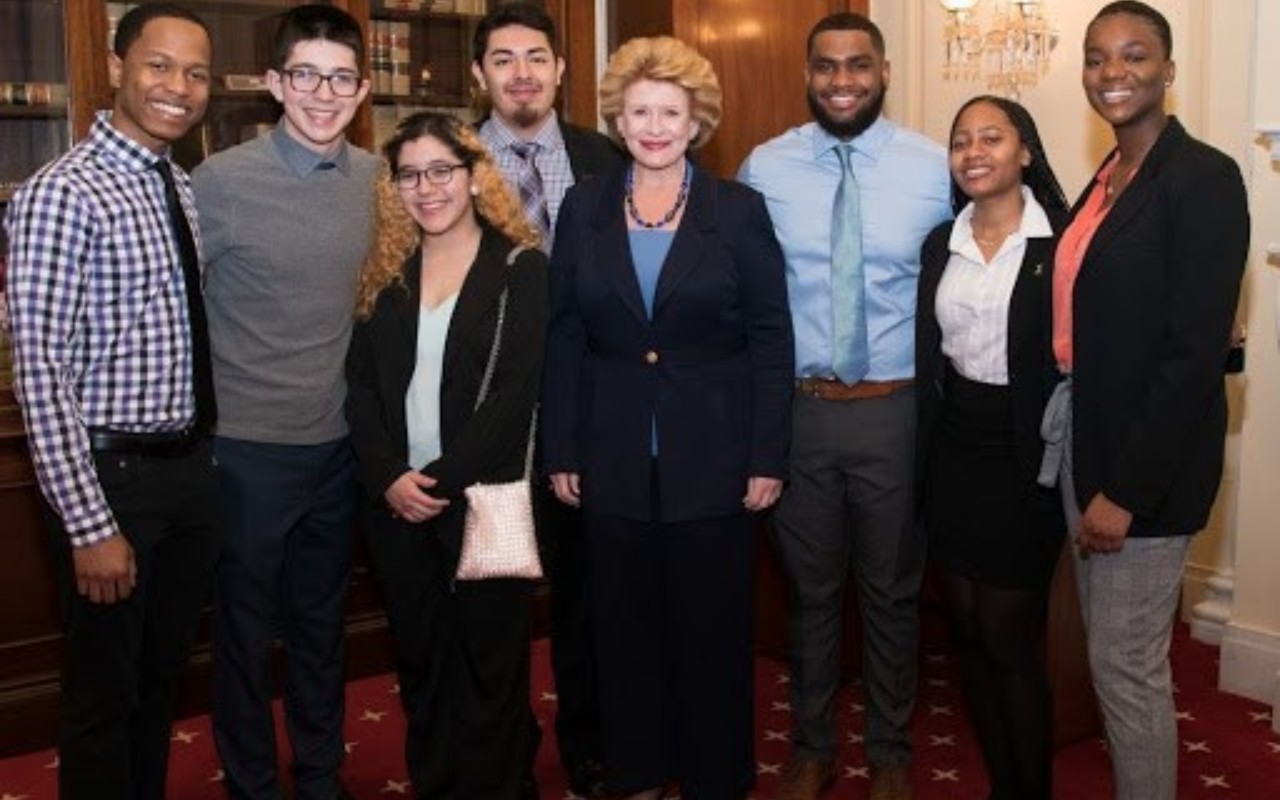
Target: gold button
651 357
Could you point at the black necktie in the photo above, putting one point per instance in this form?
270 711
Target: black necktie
201 369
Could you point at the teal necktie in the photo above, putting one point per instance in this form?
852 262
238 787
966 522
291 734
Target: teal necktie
850 359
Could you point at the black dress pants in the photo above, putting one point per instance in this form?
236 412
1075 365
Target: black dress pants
673 607
573 658
462 659
122 660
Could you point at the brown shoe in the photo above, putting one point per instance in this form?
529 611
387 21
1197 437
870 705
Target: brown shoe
890 783
805 778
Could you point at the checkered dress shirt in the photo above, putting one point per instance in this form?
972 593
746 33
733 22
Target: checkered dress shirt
553 160
99 314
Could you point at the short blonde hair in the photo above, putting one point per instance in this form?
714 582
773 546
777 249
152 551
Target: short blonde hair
396 234
662 58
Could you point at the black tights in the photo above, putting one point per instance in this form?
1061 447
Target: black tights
997 635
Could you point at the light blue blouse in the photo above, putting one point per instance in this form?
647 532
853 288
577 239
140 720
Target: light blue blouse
422 400
649 249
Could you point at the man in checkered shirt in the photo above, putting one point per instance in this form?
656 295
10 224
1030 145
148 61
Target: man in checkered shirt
106 372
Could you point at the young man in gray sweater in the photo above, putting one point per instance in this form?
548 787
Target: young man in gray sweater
287 220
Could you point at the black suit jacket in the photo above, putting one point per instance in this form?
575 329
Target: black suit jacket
1153 308
1031 372
485 444
590 152
713 367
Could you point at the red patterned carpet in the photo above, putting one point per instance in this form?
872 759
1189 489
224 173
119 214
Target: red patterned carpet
1228 748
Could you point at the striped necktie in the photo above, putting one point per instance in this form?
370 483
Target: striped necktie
532 194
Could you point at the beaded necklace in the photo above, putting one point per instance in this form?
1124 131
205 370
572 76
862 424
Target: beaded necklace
670 215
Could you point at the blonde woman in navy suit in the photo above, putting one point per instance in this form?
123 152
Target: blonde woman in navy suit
984 377
665 415
1145 285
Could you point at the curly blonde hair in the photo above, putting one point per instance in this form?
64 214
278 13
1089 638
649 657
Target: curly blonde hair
662 58
396 235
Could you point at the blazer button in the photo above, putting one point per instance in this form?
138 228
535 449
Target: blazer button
651 357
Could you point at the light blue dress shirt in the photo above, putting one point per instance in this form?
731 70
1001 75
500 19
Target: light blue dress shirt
905 191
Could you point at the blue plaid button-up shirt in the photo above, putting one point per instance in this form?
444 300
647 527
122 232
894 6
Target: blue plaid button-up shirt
99 315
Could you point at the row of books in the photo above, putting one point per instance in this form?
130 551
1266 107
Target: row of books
438 6
389 57
33 94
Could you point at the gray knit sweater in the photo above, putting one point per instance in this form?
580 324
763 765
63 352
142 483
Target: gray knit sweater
284 233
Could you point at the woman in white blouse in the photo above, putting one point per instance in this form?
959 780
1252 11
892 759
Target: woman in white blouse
984 375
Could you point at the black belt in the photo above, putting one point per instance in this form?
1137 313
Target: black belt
167 444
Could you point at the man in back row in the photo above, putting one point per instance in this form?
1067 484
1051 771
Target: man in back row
518 67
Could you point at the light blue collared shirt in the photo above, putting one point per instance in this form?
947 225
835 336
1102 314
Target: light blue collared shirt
905 191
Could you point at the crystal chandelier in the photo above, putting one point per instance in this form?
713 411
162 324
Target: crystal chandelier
1010 52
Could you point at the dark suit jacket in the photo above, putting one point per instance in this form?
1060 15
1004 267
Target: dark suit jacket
1154 304
485 444
1031 372
590 152
713 366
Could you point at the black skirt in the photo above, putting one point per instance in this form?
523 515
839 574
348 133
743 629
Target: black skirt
985 520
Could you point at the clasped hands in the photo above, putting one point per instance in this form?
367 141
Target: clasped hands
762 492
408 498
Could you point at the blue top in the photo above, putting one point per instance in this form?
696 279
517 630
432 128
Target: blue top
649 249
905 191
422 399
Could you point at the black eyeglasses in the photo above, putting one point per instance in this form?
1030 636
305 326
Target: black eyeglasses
306 79
437 175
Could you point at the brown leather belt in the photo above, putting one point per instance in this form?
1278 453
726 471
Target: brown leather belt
832 389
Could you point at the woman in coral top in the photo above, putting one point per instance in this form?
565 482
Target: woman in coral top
1145 284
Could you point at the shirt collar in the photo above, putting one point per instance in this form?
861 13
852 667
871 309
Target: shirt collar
303 160
870 142
120 148
1034 225
548 137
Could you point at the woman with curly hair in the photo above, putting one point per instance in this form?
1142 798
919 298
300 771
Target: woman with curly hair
667 417
427 312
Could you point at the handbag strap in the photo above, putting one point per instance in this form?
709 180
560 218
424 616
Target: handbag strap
492 364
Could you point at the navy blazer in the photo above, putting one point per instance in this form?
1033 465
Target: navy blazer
1153 308
713 367
485 444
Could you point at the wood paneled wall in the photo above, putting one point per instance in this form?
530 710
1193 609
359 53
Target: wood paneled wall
758 50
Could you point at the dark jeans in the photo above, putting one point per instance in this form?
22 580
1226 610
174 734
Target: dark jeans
122 660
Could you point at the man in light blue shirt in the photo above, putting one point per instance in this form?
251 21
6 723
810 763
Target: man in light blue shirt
850 503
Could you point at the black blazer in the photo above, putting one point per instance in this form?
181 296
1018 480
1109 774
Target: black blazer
485 444
1154 304
590 152
1031 372
713 366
